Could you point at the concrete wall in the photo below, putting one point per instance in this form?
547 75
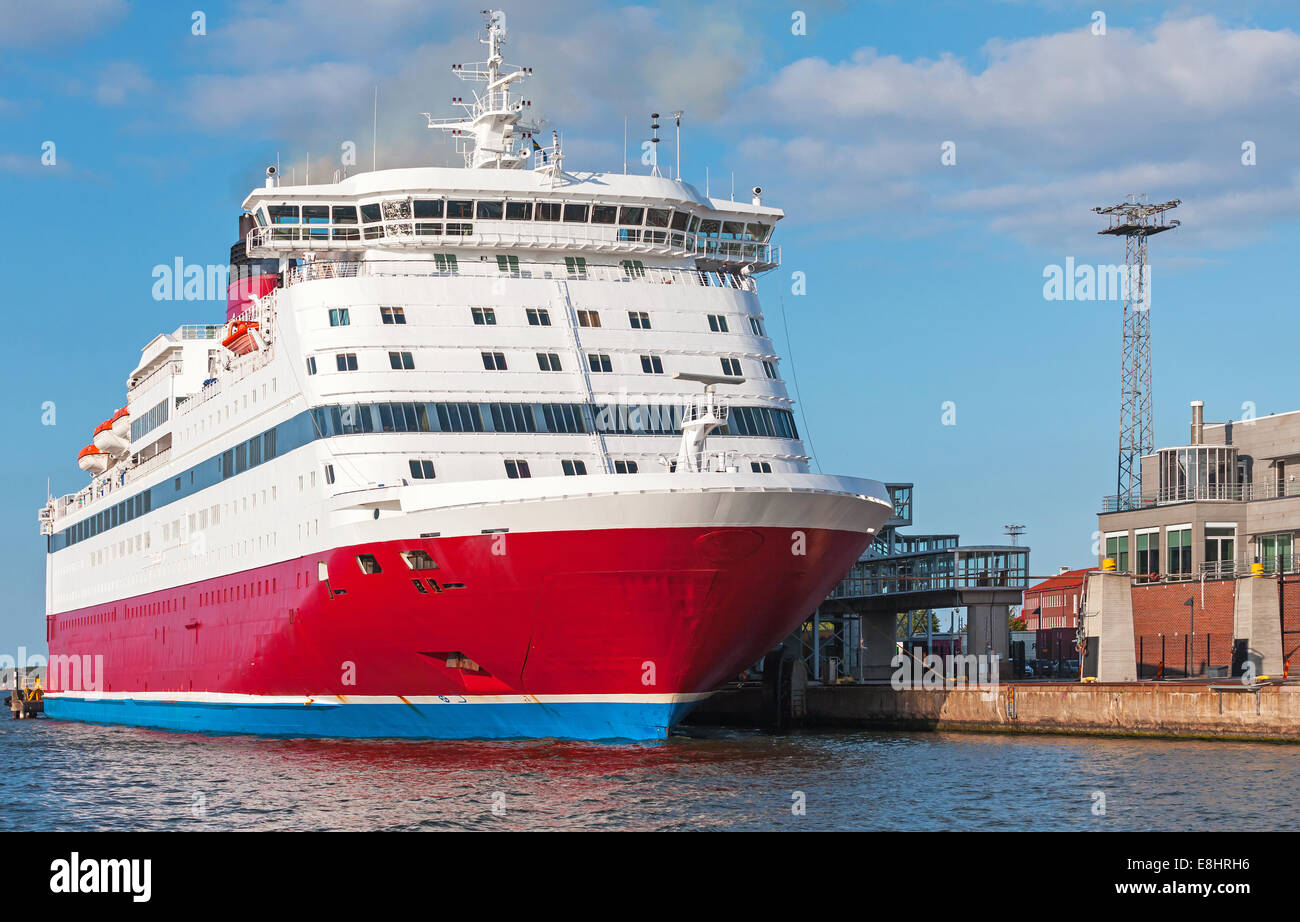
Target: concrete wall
1143 709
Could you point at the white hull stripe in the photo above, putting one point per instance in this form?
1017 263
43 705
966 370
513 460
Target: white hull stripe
178 697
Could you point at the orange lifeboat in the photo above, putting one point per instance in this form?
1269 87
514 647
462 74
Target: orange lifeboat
239 336
122 424
91 460
107 440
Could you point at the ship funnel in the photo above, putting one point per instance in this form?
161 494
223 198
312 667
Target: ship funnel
1198 422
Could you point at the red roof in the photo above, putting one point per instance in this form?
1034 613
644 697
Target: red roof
1067 580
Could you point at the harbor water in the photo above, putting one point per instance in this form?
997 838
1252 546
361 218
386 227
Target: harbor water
67 776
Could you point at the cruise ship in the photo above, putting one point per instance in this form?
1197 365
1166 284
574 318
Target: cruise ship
501 451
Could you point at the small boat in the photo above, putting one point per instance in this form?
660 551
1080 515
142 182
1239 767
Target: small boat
92 460
239 337
106 439
122 424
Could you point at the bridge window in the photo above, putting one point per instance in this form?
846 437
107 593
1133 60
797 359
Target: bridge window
283 214
317 214
370 215
758 232
548 211
519 211
604 214
733 230
679 220
345 214
631 217
428 208
460 209
490 211
657 217
575 214
710 228
574 468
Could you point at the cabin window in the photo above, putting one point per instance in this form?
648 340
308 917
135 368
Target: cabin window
445 262
640 320
588 319
421 469
548 361
483 316
633 268
575 214
517 469
731 367
339 317
346 361
652 365
548 211
369 564
494 361
538 317
490 211
576 266
401 361
756 326
625 467
599 362
631 216
519 211
392 315
717 323
311 364
761 467
508 264
329 473
604 214
573 468
769 369
419 560
460 209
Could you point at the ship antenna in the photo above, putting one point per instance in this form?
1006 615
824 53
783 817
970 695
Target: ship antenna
654 141
677 118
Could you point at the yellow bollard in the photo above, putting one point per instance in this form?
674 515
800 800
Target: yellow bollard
1108 563
1256 569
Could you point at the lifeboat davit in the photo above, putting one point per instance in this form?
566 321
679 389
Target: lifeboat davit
91 460
108 440
122 424
239 336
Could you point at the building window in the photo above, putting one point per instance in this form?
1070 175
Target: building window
421 469
731 367
761 467
1274 552
483 316
391 315
329 473
346 361
1220 547
538 317
1178 542
401 361
652 365
576 267
588 319
494 361
599 362
369 564
311 364
1148 556
508 264
625 467
1117 550
769 369
339 317
573 468
548 361
640 320
717 323
517 470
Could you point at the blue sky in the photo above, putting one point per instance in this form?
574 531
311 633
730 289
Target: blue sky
924 281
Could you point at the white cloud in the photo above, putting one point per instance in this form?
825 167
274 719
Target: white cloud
35 23
120 80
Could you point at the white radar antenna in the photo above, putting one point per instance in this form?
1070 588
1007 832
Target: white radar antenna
491 135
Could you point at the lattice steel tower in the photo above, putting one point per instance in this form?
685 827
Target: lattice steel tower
1135 220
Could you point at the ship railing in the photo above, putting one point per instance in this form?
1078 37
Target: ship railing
170 367
441 268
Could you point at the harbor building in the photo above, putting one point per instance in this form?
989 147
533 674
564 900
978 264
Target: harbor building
1196 566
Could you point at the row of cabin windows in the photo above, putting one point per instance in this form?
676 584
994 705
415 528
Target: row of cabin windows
597 363
318 218
518 469
538 316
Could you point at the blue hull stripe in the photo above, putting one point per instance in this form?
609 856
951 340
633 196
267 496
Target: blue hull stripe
568 720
